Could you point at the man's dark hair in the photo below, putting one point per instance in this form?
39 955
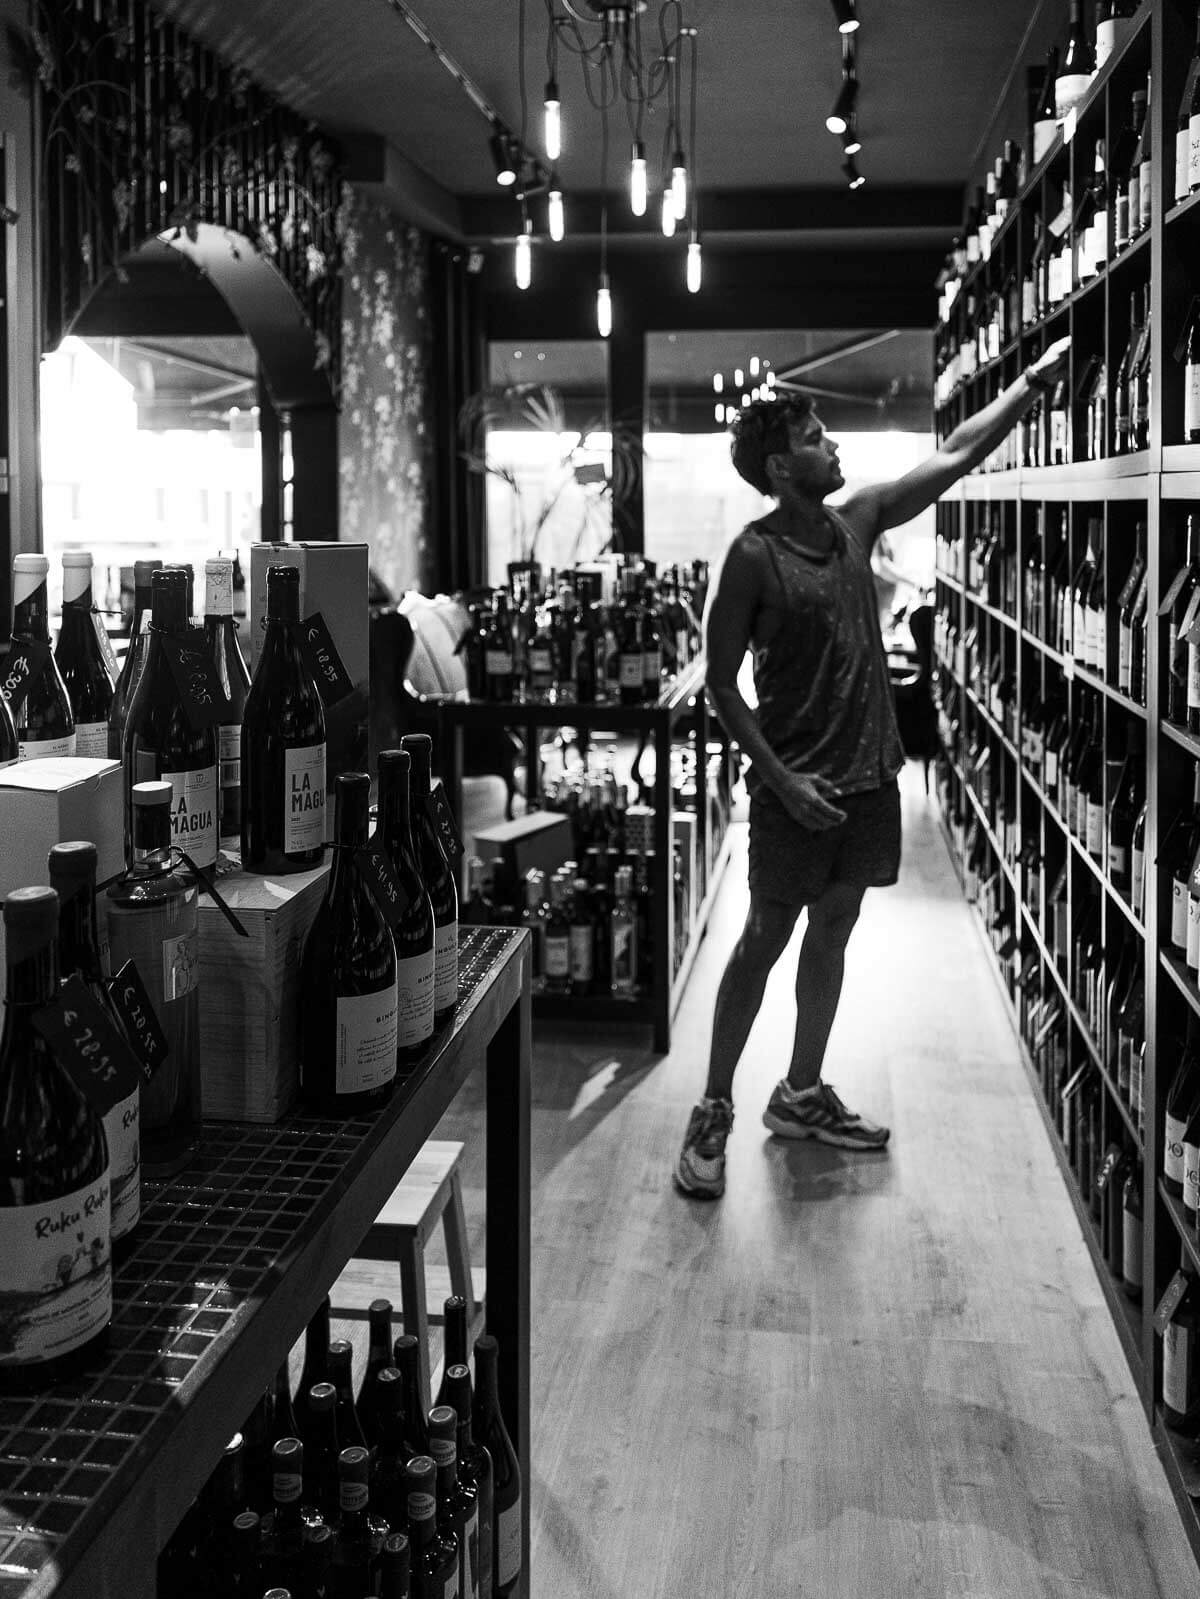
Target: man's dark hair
760 429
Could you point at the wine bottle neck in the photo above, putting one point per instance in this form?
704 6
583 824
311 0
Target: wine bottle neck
32 977
31 615
78 944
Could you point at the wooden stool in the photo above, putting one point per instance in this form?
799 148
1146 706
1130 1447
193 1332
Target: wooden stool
431 1190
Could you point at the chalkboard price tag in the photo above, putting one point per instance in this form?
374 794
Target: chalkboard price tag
139 1018
204 702
1170 1302
437 808
324 662
85 1040
21 667
376 866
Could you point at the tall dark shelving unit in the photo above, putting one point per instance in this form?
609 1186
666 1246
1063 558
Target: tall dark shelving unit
1024 840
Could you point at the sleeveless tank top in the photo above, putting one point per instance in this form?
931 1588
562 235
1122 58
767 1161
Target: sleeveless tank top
824 697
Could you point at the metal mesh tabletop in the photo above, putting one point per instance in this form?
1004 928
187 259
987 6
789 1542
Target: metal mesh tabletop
213 1243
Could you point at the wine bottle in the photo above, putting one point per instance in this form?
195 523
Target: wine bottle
55 1246
1139 378
1191 366
498 662
434 1560
582 938
72 871
1138 855
1123 810
474 1467
382 1412
320 1439
220 630
1078 65
476 909
272 1419
80 659
283 1526
160 740
44 723
1180 605
437 877
10 749
1095 632
379 1355
283 744
1182 1098
359 1533
1126 601
395 1567
1143 161
316 1362
153 922
1122 386
652 647
458 1502
1183 124
135 657
623 936
1181 1364
489 1429
407 1357
1112 26
631 664
243 1562
415 933
557 946
348 976
341 1375
1131 1253
1045 122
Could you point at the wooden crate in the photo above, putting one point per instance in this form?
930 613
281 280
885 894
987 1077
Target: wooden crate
250 993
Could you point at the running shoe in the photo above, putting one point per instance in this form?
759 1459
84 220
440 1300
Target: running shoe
700 1169
819 1113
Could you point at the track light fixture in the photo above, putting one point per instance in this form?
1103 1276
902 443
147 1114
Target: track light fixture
854 177
847 20
504 154
851 143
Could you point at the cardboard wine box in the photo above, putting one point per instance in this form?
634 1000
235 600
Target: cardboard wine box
250 992
43 803
333 582
542 840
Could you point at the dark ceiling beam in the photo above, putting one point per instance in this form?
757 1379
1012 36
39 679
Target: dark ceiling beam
757 211
377 169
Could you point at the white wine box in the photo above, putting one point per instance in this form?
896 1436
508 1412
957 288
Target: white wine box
250 992
333 581
639 829
541 840
43 803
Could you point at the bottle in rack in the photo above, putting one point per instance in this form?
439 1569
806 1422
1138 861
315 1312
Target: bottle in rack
1131 1217
81 660
1180 605
153 922
1112 26
458 1502
316 1362
1191 369
160 739
44 723
1182 186
1182 1099
348 977
1125 805
434 1558
1045 121
1175 858
491 1432
359 1535
1127 174
341 1375
283 744
1078 64
1143 160
135 657
1127 601
1181 1360
414 934
1123 384
72 872
474 1469
54 1162
1139 381
437 875
220 630
1095 641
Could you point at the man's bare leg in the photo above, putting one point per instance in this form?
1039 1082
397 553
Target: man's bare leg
763 940
819 975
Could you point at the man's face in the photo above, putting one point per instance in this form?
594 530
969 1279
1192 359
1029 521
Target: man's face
810 469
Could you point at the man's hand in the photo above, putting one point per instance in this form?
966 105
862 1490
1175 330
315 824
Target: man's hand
1051 365
809 801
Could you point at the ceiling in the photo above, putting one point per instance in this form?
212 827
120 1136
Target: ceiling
930 73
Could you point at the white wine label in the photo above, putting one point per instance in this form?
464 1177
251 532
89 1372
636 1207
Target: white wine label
366 1041
180 965
1194 153
1094 837
45 749
124 1163
1191 398
1193 675
286 1487
1193 931
1068 91
1105 39
1144 192
652 665
445 967
1051 769
581 954
414 999
631 670
1139 878
1118 860
229 755
91 739
1191 1178
1131 1260
541 662
1177 1358
57 1274
1173 1132
1179 899
1124 657
194 812
508 1544
497 663
558 957
303 798
1183 145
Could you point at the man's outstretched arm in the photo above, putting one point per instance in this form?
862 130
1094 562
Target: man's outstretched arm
871 511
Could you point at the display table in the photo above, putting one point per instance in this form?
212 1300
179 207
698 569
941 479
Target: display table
233 1257
681 711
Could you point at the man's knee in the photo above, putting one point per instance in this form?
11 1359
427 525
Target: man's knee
766 933
831 919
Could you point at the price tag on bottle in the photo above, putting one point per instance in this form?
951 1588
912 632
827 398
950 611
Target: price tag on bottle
86 1042
333 680
376 866
200 689
23 664
1068 667
437 808
1173 592
1170 1301
139 1018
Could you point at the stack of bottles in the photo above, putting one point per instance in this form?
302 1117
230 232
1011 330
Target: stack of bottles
343 1493
559 645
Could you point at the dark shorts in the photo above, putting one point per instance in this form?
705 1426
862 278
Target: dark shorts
795 865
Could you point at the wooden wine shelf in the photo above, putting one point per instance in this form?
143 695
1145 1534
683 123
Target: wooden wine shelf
232 1258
